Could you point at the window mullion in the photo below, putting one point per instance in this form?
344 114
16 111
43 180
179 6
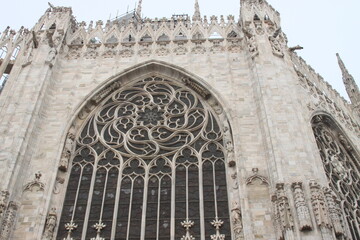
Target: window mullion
104 194
187 191
201 199
145 195
130 206
215 197
158 210
88 205
77 193
172 219
116 207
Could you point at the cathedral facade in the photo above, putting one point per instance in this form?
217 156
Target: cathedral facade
176 128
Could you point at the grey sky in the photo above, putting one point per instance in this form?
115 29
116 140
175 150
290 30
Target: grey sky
322 27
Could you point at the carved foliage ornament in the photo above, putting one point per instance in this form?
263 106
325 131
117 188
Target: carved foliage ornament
302 209
284 219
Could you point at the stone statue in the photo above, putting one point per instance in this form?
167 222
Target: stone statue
68 148
50 225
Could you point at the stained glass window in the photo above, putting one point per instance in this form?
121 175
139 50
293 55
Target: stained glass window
342 168
148 164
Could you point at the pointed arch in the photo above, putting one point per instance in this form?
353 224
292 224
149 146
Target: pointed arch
341 162
135 129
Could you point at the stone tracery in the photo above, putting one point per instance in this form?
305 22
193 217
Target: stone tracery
149 154
342 169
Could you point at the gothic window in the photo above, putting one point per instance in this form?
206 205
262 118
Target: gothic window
148 164
15 53
3 52
342 167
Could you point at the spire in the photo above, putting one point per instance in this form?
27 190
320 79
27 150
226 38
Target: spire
138 10
197 16
350 84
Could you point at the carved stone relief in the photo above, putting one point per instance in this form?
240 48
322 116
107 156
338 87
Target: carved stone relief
320 210
8 221
50 225
36 184
335 213
198 49
276 47
236 219
59 181
302 209
256 176
251 42
66 153
285 221
162 51
196 87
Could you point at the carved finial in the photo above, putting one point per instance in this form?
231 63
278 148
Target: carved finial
197 16
139 8
350 84
187 224
70 227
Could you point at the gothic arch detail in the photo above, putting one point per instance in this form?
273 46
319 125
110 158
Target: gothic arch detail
148 163
342 168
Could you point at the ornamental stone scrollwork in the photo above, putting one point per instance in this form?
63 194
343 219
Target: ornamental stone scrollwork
236 219
36 184
284 220
320 210
256 176
68 149
302 209
335 213
50 225
7 224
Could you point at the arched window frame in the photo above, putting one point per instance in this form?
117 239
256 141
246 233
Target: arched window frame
227 141
341 164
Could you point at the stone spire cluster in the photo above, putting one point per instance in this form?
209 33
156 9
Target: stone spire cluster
197 15
350 84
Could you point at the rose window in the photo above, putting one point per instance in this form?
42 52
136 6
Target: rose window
149 164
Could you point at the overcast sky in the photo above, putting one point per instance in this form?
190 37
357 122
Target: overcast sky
322 27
